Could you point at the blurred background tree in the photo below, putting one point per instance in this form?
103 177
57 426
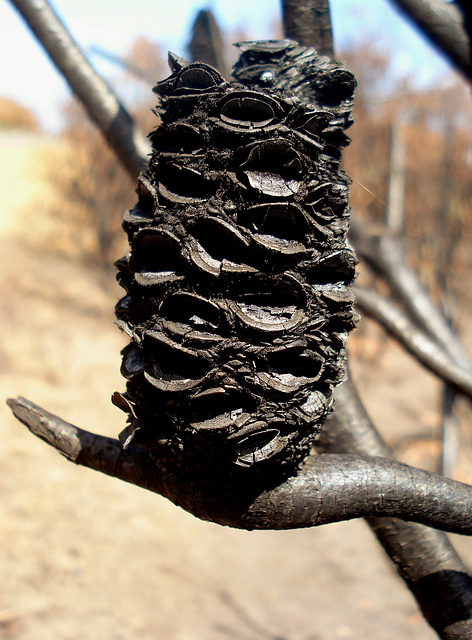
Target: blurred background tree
433 127
16 116
94 189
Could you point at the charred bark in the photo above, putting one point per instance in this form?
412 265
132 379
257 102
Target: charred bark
238 299
327 488
423 557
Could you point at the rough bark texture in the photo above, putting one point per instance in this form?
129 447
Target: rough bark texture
238 300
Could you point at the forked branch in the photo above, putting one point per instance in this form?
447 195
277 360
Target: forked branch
328 488
386 256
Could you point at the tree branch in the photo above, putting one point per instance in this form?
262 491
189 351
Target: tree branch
426 351
309 23
444 24
423 557
386 256
328 488
100 102
415 341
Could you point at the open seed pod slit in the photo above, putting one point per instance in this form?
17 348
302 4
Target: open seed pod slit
237 282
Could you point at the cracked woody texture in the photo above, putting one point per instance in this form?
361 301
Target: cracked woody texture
237 282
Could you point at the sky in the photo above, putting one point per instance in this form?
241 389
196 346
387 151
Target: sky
27 75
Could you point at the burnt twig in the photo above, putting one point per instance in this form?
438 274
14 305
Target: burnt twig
386 256
327 489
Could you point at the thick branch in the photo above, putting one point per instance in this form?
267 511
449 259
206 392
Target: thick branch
421 346
423 557
309 23
100 102
445 26
328 488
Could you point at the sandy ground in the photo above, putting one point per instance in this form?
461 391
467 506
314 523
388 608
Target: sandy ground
83 556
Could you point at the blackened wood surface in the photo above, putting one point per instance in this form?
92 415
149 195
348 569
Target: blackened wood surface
423 557
238 300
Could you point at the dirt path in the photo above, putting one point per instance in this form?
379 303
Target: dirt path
23 157
83 556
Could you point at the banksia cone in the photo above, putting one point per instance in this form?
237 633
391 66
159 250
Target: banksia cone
238 300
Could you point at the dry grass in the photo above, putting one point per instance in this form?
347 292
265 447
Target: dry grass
15 116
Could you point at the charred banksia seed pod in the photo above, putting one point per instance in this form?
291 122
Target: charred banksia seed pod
237 282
